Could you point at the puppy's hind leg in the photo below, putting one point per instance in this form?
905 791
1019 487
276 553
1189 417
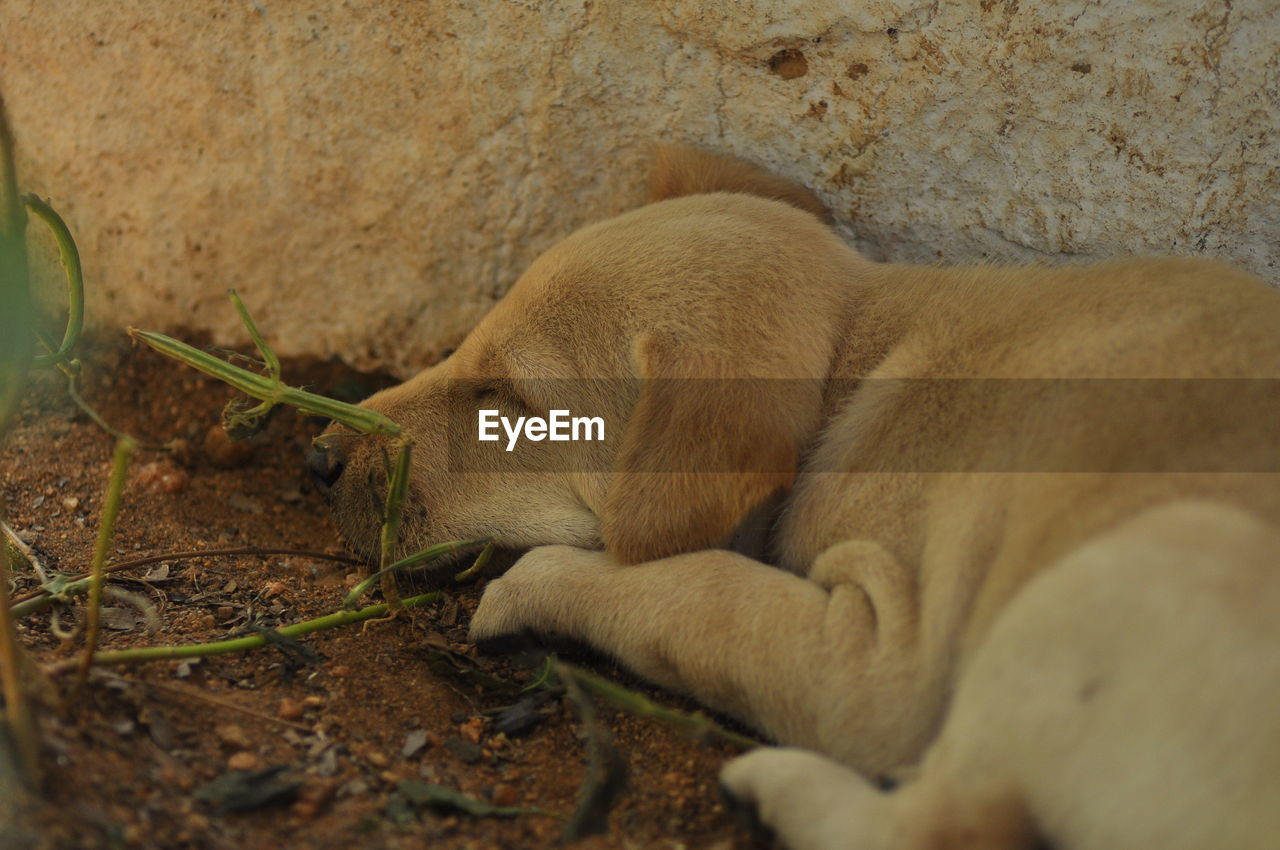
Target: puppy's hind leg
807 800
813 803
1123 699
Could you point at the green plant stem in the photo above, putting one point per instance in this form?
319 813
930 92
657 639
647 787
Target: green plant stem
19 741
106 528
22 552
201 650
481 561
69 256
268 356
698 725
266 389
397 485
42 597
17 313
416 559
17 718
59 354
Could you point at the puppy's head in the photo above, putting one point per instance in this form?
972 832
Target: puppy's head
697 330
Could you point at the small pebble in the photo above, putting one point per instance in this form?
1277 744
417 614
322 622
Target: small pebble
313 797
505 794
161 477
354 788
183 669
182 451
290 709
244 504
222 452
226 612
472 730
312 701
70 503
244 760
468 752
377 759
304 809
233 734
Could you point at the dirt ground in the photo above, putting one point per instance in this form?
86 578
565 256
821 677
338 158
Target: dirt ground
351 713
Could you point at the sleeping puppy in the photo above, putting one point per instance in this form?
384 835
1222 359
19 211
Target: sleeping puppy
1017 530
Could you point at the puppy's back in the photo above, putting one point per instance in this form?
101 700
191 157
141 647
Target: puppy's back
678 171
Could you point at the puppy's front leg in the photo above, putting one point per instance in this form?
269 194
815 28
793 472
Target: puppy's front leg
799 662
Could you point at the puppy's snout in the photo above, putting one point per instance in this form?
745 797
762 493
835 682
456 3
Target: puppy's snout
326 463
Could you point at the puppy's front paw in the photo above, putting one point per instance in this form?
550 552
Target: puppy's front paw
499 614
539 593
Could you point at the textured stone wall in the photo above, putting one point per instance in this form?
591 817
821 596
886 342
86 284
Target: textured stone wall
373 175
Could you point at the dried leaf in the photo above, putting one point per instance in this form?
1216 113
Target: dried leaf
157 574
438 797
119 619
246 790
523 715
448 663
606 773
414 741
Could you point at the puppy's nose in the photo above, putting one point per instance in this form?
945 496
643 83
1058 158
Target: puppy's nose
325 464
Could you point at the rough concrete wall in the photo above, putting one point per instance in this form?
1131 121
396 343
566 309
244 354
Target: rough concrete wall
373 175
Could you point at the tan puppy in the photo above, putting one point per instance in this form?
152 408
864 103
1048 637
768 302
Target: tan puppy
1058 595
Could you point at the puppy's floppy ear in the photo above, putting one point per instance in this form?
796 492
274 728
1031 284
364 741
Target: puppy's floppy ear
678 171
701 449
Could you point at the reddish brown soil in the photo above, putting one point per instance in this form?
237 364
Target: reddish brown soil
124 757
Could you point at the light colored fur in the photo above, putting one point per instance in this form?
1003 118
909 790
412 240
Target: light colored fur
1091 658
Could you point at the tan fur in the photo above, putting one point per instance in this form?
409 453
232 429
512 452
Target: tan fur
680 171
1068 653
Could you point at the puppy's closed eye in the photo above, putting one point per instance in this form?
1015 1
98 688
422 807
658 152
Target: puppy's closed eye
485 392
500 394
